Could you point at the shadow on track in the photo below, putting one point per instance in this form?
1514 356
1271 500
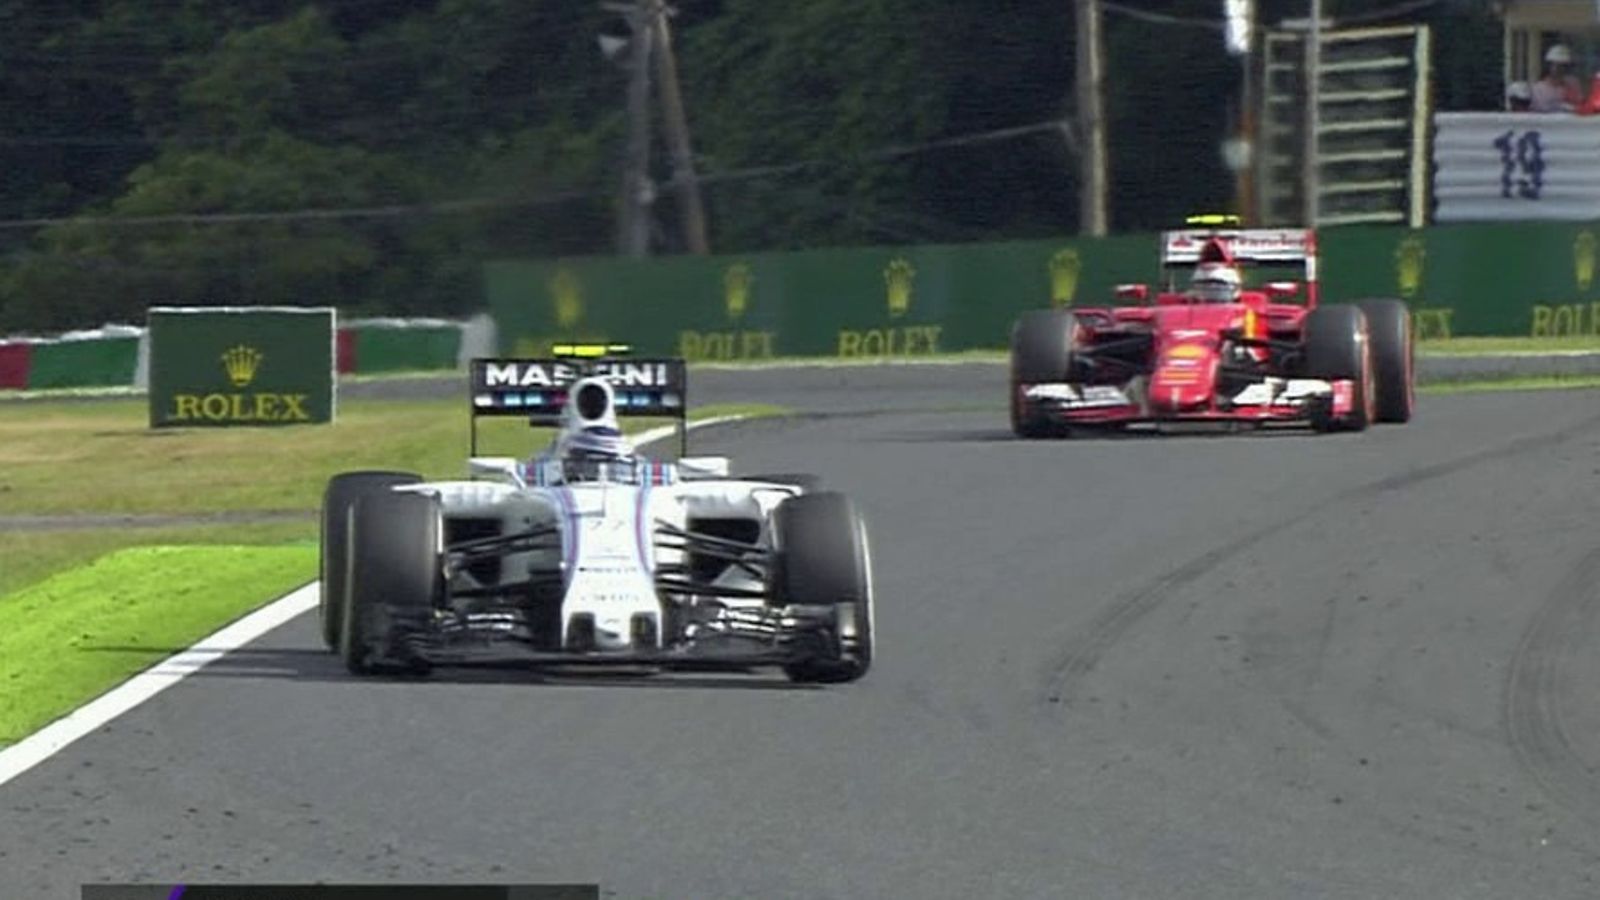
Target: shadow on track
1090 435
303 664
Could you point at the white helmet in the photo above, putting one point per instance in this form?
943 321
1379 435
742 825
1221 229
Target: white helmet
1215 282
1558 55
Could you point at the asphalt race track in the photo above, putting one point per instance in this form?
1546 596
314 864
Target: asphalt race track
1269 665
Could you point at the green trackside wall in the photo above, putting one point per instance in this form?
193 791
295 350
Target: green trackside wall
1522 279
90 363
405 349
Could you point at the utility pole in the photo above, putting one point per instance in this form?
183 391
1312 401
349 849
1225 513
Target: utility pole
1312 183
1091 122
676 124
1239 150
633 220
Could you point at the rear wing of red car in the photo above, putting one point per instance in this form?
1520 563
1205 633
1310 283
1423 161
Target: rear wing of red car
1244 245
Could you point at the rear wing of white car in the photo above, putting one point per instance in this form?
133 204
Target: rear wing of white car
536 388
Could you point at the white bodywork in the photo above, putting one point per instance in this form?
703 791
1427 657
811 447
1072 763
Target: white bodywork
608 552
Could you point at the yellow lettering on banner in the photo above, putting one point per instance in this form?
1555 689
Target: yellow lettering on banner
911 340
755 345
1541 320
1432 323
725 345
294 408
215 407
241 407
1565 320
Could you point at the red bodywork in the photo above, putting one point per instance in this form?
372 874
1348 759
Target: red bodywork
1182 359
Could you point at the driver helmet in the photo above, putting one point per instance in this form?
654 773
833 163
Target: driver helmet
1215 282
1558 55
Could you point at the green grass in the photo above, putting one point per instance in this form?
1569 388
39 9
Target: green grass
1544 383
71 637
32 556
1488 346
100 456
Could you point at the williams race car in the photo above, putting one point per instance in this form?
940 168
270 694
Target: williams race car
588 553
1219 351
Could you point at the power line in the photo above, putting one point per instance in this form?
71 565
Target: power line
1160 18
891 151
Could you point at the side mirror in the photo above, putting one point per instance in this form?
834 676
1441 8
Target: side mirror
716 466
503 466
1283 290
1137 292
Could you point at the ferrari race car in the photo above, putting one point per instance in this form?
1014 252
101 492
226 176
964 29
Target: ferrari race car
1220 351
590 554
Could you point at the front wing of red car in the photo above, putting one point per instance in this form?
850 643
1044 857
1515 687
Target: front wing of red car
1267 400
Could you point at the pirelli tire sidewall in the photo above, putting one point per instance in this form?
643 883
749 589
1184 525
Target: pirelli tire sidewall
394 580
341 493
1338 347
1041 352
824 560
1393 358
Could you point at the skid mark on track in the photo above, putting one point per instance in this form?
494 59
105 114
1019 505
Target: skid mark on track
1539 686
1084 650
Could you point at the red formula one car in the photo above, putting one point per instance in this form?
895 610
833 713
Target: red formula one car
1221 350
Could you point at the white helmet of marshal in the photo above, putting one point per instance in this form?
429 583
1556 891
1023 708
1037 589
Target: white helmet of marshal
1215 282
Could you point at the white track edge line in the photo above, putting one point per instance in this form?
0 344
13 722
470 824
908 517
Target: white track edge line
38 747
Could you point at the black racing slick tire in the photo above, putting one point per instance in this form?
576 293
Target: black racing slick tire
1393 359
337 498
1337 346
1041 352
394 579
825 560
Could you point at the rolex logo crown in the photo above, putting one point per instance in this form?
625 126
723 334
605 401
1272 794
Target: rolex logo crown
1583 259
898 275
736 289
1065 265
1409 258
567 291
241 363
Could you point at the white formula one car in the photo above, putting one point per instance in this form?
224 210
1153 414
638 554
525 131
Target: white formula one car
590 554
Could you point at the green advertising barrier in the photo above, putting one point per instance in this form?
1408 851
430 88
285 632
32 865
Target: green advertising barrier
89 363
856 302
1522 279
382 349
226 366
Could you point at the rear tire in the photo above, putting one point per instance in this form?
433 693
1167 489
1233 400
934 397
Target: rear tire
1337 347
341 493
826 561
1041 352
394 580
1393 356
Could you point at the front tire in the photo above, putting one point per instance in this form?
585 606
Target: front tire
1393 358
341 493
826 561
394 581
1041 352
1337 347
